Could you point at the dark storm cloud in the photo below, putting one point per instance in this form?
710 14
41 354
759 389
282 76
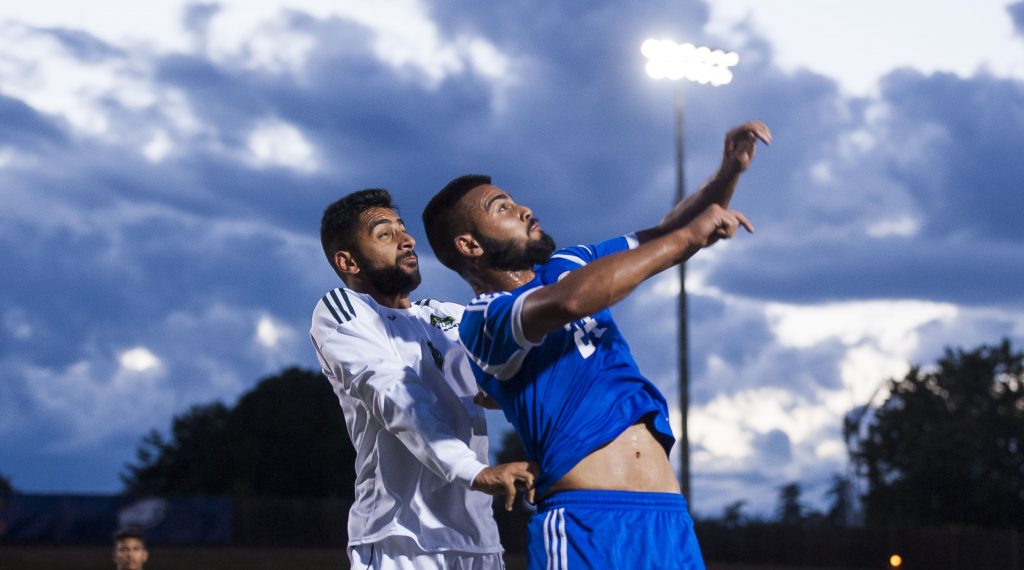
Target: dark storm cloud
964 184
197 17
946 156
82 45
24 128
946 270
773 447
1017 14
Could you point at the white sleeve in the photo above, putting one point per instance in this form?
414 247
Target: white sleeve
357 354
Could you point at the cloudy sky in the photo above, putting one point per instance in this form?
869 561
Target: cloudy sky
163 166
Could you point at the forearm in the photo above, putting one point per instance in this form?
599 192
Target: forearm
717 190
399 401
740 144
408 410
603 282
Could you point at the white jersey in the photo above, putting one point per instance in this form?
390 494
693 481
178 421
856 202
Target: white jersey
407 391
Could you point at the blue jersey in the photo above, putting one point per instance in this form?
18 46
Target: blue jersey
574 391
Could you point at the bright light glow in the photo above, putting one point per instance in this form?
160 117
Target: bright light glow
669 60
904 226
895 561
139 359
158 147
269 333
276 143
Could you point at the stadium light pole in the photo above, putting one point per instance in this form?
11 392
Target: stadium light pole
669 60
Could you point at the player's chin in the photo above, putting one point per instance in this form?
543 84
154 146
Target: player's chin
414 274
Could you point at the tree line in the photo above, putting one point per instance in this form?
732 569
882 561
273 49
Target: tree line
943 448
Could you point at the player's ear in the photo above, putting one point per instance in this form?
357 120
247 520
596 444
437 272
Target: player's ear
345 262
468 246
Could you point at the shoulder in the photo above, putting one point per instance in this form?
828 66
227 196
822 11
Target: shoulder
440 314
441 307
481 302
583 254
342 307
574 257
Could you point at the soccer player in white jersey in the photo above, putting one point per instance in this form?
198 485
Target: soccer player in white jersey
408 397
543 343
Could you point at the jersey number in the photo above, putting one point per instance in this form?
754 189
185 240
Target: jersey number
584 332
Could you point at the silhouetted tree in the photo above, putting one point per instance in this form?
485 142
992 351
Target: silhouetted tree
946 446
789 509
196 459
5 485
732 514
841 508
285 437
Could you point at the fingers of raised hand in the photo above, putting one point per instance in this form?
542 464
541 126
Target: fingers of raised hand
749 132
729 223
757 130
743 221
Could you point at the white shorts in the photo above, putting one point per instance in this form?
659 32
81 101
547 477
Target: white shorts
401 553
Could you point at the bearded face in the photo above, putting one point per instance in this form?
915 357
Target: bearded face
393 279
517 255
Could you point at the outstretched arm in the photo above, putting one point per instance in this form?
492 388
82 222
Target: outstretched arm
608 280
737 154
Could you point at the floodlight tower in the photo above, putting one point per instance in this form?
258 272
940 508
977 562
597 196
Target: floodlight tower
669 60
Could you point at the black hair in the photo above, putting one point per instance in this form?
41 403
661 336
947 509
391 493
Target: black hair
340 219
129 532
442 222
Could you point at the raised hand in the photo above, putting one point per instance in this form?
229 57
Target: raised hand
740 144
716 223
506 479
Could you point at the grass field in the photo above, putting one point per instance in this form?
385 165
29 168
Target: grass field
178 558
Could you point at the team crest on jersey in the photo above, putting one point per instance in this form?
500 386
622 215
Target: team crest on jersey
436 355
443 323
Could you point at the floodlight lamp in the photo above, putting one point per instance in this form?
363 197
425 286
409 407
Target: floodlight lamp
669 60
651 48
655 69
675 71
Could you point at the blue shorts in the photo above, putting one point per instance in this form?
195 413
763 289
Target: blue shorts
573 530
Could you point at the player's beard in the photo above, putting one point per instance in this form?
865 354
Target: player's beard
512 255
393 280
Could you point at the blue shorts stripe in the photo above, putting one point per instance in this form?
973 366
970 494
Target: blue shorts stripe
613 529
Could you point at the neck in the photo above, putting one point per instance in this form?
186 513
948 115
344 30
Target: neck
397 301
487 280
394 301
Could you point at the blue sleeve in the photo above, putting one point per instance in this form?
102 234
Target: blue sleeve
491 332
570 258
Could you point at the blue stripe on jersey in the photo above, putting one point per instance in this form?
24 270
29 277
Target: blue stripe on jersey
576 390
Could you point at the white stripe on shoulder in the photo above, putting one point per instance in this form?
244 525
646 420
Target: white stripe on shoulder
504 370
517 320
632 240
574 259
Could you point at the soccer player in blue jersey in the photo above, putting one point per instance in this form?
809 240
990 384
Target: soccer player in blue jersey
542 342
